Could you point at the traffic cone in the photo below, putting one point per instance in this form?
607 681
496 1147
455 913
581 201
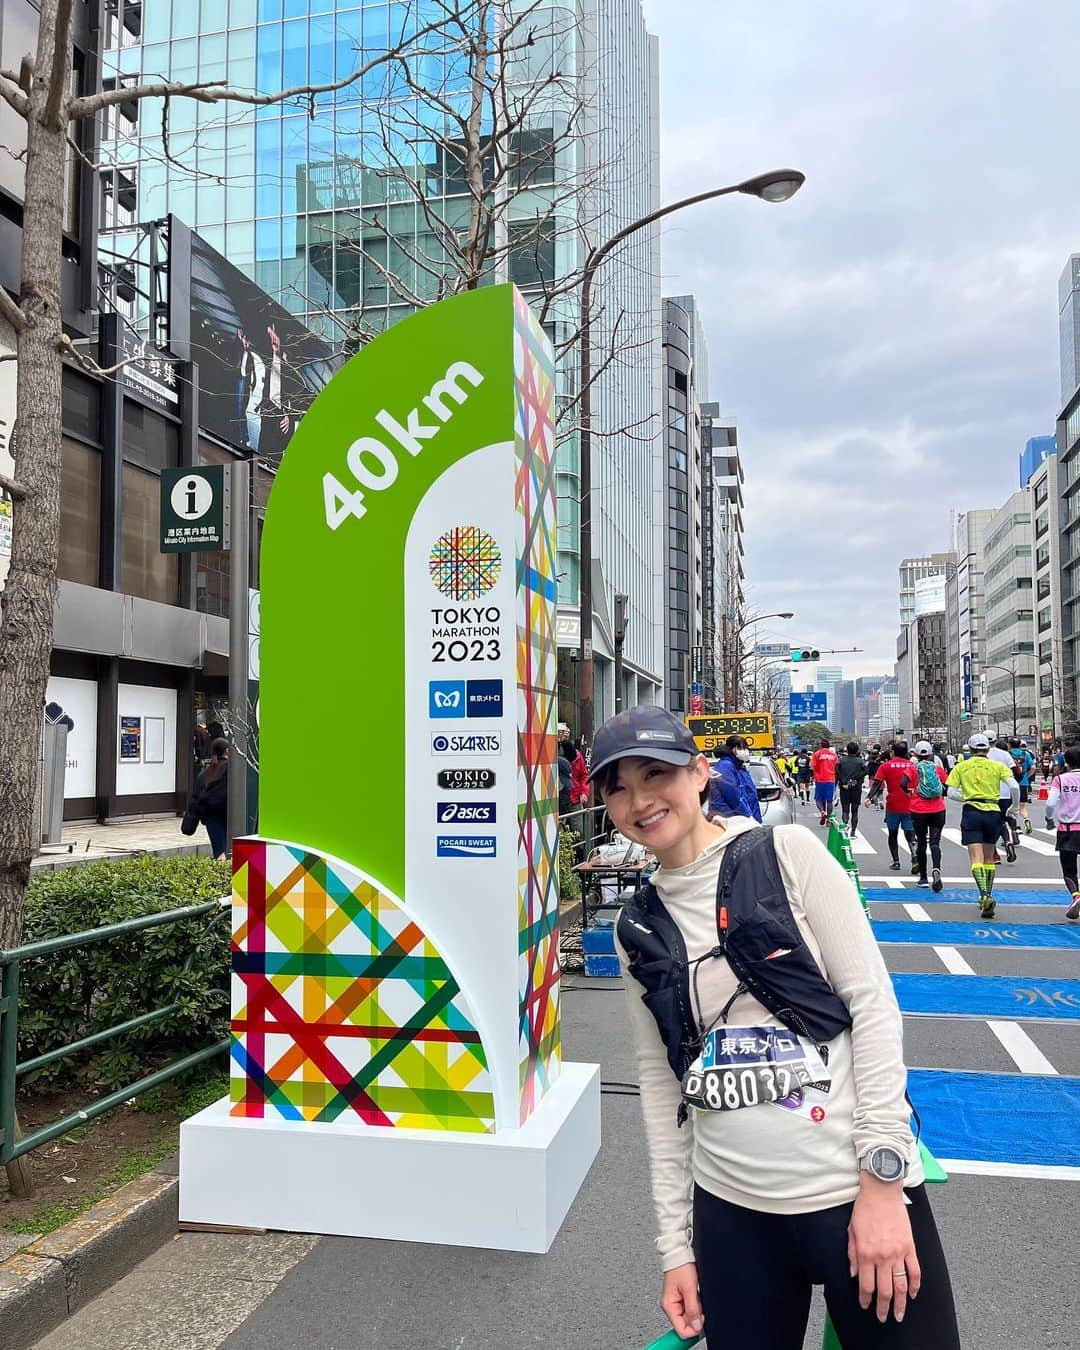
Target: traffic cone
1043 792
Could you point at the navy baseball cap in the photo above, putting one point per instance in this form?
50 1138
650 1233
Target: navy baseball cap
648 732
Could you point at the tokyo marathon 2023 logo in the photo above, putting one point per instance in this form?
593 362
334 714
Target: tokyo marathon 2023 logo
465 563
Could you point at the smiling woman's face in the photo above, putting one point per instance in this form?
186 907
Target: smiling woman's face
659 805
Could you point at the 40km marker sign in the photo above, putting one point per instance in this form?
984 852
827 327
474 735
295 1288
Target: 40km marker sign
710 733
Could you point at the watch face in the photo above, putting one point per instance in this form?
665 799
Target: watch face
886 1164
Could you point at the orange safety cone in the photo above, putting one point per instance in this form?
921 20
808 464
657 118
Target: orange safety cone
1043 793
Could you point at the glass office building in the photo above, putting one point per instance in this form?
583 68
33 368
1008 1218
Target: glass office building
345 207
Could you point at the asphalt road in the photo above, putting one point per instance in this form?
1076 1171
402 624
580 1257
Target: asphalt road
1008 1219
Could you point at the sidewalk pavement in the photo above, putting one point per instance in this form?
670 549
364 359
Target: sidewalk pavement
597 1289
93 843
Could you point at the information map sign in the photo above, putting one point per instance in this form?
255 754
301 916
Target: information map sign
808 708
712 731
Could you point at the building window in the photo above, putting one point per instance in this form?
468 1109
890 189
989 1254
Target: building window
80 515
1043 589
144 570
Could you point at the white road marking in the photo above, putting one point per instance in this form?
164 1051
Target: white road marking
860 844
894 883
1025 1054
953 836
953 962
917 913
1033 1171
1037 845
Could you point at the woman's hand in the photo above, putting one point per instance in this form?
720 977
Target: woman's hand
881 1250
681 1301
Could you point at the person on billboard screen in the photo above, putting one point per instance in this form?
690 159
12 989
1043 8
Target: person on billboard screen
279 397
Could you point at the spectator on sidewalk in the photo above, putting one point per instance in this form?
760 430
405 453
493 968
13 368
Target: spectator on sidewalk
731 786
210 798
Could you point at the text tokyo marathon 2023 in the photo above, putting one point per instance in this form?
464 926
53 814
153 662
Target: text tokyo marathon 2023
467 622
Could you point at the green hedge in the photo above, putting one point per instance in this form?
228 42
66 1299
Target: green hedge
78 992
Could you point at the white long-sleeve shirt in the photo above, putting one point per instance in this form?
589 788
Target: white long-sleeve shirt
765 1157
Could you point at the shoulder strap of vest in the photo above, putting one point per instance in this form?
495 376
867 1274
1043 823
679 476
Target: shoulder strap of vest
747 842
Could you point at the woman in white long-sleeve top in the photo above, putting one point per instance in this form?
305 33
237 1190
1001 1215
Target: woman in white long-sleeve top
770 1058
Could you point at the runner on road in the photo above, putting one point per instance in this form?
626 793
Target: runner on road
1010 831
823 762
928 812
803 1168
977 781
850 773
897 777
1063 810
1025 762
804 775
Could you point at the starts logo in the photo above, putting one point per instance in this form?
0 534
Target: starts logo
446 698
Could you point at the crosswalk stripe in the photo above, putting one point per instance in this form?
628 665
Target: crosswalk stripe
860 844
901 839
1023 1051
953 962
1037 845
917 913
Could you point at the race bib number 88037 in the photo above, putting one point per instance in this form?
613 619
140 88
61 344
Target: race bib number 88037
746 1066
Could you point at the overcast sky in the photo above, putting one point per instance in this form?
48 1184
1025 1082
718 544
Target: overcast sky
888 339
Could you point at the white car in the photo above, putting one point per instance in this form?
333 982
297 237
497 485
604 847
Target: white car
775 798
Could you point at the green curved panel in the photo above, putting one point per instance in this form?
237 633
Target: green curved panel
332 757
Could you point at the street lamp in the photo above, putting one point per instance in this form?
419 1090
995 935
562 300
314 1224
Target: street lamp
778 185
739 655
1012 677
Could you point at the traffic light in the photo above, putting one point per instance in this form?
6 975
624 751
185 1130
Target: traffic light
965 717
804 654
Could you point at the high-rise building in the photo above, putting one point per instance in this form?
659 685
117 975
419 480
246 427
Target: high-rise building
826 678
1008 673
683 646
1067 435
914 571
843 718
889 708
722 553
1069 327
966 641
868 684
1055 712
351 212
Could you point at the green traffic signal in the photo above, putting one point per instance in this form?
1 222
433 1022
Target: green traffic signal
804 654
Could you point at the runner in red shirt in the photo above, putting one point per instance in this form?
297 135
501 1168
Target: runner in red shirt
823 763
898 776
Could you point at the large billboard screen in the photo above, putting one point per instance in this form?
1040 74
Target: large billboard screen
930 595
259 367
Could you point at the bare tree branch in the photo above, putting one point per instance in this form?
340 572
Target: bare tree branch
58 75
14 97
13 488
11 311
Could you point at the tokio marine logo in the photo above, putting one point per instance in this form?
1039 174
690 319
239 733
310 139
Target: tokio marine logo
465 563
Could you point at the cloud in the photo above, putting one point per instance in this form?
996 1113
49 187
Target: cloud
888 339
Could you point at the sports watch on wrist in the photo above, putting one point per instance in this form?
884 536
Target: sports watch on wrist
884 1163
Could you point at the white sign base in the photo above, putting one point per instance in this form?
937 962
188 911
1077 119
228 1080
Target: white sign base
509 1191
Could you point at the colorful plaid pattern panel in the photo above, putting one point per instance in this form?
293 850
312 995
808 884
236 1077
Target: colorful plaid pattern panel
341 1005
539 1038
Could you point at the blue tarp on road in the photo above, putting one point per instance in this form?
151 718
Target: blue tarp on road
1004 895
996 934
994 1117
1012 996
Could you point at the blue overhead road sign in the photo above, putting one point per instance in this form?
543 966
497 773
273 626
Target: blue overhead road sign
807 708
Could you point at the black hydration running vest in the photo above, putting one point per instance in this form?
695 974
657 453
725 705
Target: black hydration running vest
756 931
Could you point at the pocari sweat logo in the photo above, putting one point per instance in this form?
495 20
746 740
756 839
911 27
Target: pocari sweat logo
465 846
446 698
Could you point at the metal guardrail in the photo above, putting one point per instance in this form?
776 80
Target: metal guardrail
11 1070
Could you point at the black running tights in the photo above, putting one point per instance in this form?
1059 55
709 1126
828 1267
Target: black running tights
928 827
1069 869
849 806
757 1271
